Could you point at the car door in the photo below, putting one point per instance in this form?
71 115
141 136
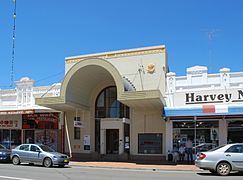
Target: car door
23 153
34 155
234 154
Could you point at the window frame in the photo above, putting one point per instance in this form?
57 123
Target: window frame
235 146
26 147
77 130
149 152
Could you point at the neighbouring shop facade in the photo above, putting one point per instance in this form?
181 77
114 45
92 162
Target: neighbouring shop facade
205 108
111 104
21 121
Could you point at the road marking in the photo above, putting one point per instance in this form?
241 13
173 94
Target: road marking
8 177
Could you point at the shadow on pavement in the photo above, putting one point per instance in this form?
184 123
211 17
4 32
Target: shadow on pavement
214 174
160 163
38 165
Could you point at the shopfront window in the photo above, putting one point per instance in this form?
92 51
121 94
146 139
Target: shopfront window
10 138
150 143
204 134
41 128
235 130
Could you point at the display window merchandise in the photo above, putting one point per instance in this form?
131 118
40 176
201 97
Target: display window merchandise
41 128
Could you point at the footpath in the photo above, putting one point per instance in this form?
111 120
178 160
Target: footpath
130 165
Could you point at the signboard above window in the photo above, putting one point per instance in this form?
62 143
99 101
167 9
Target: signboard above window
209 97
78 123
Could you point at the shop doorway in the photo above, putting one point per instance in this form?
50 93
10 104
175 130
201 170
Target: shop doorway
112 141
29 136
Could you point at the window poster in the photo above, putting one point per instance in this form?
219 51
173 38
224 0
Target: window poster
86 142
47 137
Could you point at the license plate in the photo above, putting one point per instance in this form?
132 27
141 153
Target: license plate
66 160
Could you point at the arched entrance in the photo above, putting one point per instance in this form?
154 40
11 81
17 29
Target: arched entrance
110 124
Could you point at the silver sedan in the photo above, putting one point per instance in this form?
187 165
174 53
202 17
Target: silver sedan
222 160
38 154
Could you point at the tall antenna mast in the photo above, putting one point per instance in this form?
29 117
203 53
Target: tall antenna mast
13 46
211 35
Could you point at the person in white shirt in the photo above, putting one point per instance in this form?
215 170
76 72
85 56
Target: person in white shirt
176 155
182 152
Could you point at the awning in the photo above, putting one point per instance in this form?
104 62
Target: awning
204 110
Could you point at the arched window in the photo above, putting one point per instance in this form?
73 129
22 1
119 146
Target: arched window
107 105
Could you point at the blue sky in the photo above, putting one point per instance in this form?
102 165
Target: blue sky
47 31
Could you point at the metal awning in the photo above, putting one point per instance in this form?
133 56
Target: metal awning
203 110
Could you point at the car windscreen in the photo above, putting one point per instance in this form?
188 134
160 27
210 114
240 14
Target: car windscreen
46 148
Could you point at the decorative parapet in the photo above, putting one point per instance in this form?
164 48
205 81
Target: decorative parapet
117 54
198 79
197 74
25 93
224 77
171 82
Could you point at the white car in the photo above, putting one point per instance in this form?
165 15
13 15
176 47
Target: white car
222 160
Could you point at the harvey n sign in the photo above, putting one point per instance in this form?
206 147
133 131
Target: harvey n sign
228 96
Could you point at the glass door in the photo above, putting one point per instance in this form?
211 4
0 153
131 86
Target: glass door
112 141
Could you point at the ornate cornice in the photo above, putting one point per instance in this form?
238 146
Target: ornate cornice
117 54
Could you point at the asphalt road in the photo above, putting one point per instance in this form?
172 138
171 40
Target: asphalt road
27 172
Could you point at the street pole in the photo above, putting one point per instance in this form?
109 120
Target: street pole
195 131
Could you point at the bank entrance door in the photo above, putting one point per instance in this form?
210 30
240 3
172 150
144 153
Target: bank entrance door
112 141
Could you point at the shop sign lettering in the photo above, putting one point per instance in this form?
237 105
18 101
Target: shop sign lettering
9 124
16 112
193 98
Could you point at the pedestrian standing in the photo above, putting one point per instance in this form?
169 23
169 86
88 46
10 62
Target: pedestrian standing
182 152
189 150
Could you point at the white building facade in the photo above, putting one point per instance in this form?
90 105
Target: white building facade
206 108
22 121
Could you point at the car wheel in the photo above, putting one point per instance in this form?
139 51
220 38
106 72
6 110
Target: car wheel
16 160
47 162
223 168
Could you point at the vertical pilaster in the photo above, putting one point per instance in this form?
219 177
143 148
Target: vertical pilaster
168 137
223 131
103 141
